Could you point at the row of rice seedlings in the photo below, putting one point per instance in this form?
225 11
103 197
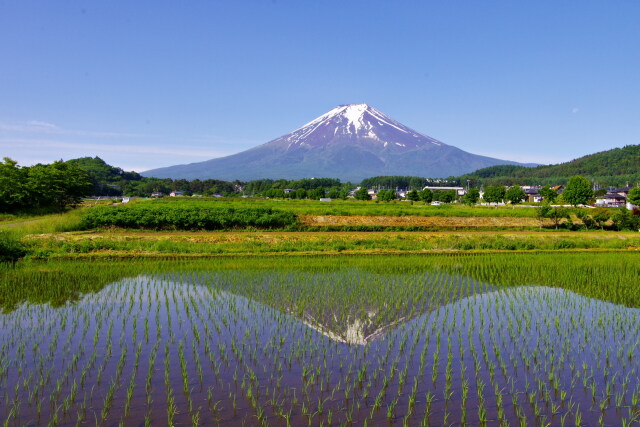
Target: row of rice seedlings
330 347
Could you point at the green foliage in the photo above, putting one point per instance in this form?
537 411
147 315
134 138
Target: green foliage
494 194
515 195
472 197
301 193
613 167
594 218
13 195
362 194
406 182
274 193
624 219
185 217
556 214
413 195
542 213
336 193
317 193
426 195
444 196
41 187
11 249
548 194
634 196
107 180
578 191
387 195
259 186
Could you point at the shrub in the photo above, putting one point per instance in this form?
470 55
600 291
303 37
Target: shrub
186 217
11 249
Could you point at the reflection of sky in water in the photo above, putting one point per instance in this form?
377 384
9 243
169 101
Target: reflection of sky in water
514 338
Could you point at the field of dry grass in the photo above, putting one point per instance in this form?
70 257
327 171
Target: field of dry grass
420 221
119 243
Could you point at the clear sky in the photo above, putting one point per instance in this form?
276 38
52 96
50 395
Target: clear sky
146 84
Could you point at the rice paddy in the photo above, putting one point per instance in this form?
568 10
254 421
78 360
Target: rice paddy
518 339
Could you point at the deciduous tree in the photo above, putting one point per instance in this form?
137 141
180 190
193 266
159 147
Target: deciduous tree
494 194
515 195
578 191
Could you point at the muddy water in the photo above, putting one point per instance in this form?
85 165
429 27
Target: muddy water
252 348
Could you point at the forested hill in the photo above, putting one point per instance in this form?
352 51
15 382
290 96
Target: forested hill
609 168
107 180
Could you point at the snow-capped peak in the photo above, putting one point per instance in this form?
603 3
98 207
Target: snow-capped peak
359 121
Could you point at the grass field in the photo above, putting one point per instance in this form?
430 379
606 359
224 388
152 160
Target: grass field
354 207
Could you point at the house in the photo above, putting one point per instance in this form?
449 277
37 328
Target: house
176 193
558 189
325 199
157 194
621 191
288 190
611 200
460 191
533 195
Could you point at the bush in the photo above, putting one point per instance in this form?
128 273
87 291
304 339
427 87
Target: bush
186 217
11 249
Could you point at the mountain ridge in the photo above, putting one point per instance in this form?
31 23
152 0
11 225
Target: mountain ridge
617 165
350 142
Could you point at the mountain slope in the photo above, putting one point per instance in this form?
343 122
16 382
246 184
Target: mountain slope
350 142
613 166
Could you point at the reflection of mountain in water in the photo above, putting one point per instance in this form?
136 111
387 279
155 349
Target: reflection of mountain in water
358 332
353 306
349 305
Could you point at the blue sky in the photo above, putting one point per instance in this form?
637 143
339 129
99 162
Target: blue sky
146 84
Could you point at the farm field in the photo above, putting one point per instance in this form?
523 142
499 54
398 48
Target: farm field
495 339
127 243
348 207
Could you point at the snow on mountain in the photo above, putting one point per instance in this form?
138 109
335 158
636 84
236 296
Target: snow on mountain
357 121
350 142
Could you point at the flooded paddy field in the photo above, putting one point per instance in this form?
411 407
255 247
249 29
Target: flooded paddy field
440 340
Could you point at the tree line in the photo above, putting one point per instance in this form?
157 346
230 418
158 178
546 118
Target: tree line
613 167
41 188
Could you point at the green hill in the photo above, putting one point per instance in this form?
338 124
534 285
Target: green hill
609 168
107 180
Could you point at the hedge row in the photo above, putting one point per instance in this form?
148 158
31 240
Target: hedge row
168 217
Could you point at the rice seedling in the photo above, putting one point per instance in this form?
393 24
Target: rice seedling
432 340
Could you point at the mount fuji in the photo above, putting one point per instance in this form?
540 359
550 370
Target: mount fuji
350 142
